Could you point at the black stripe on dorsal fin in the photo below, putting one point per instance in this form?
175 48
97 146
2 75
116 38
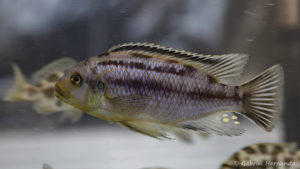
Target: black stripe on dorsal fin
150 47
225 68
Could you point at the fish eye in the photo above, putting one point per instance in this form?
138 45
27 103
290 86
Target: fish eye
101 86
76 79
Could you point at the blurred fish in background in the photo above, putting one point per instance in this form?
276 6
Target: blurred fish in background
41 92
265 156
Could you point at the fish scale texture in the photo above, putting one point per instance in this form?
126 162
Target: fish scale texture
169 97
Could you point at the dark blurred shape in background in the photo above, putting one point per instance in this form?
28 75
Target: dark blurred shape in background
35 32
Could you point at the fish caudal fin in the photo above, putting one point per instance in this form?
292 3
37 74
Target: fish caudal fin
262 97
15 92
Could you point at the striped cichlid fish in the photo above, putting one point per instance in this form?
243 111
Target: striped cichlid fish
155 90
265 156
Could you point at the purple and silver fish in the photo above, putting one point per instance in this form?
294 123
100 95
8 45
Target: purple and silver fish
155 90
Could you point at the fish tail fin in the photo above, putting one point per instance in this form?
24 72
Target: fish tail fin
16 91
262 97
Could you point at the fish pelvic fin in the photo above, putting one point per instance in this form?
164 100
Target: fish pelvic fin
147 128
158 130
262 97
15 93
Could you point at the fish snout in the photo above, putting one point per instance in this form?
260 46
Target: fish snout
59 92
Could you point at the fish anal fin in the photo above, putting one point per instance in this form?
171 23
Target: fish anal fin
50 70
220 123
147 128
225 68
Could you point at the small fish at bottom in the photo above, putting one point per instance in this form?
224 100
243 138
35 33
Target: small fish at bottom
265 156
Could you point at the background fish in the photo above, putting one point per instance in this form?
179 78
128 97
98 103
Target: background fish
41 93
154 90
265 156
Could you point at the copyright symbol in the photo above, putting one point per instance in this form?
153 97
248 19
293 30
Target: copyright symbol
236 163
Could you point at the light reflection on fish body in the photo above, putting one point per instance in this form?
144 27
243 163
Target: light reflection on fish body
153 90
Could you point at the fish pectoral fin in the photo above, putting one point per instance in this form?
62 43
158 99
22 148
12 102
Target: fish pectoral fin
57 66
220 123
154 130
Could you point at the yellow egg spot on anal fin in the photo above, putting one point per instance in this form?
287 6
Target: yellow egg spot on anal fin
234 117
225 115
236 122
226 120
214 123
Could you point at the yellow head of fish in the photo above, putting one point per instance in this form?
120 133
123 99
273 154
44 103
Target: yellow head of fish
81 88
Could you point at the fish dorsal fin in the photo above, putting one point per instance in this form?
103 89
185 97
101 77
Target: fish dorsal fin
57 66
225 68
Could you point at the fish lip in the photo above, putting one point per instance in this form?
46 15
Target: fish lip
60 93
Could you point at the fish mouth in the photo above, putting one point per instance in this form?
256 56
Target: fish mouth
59 93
